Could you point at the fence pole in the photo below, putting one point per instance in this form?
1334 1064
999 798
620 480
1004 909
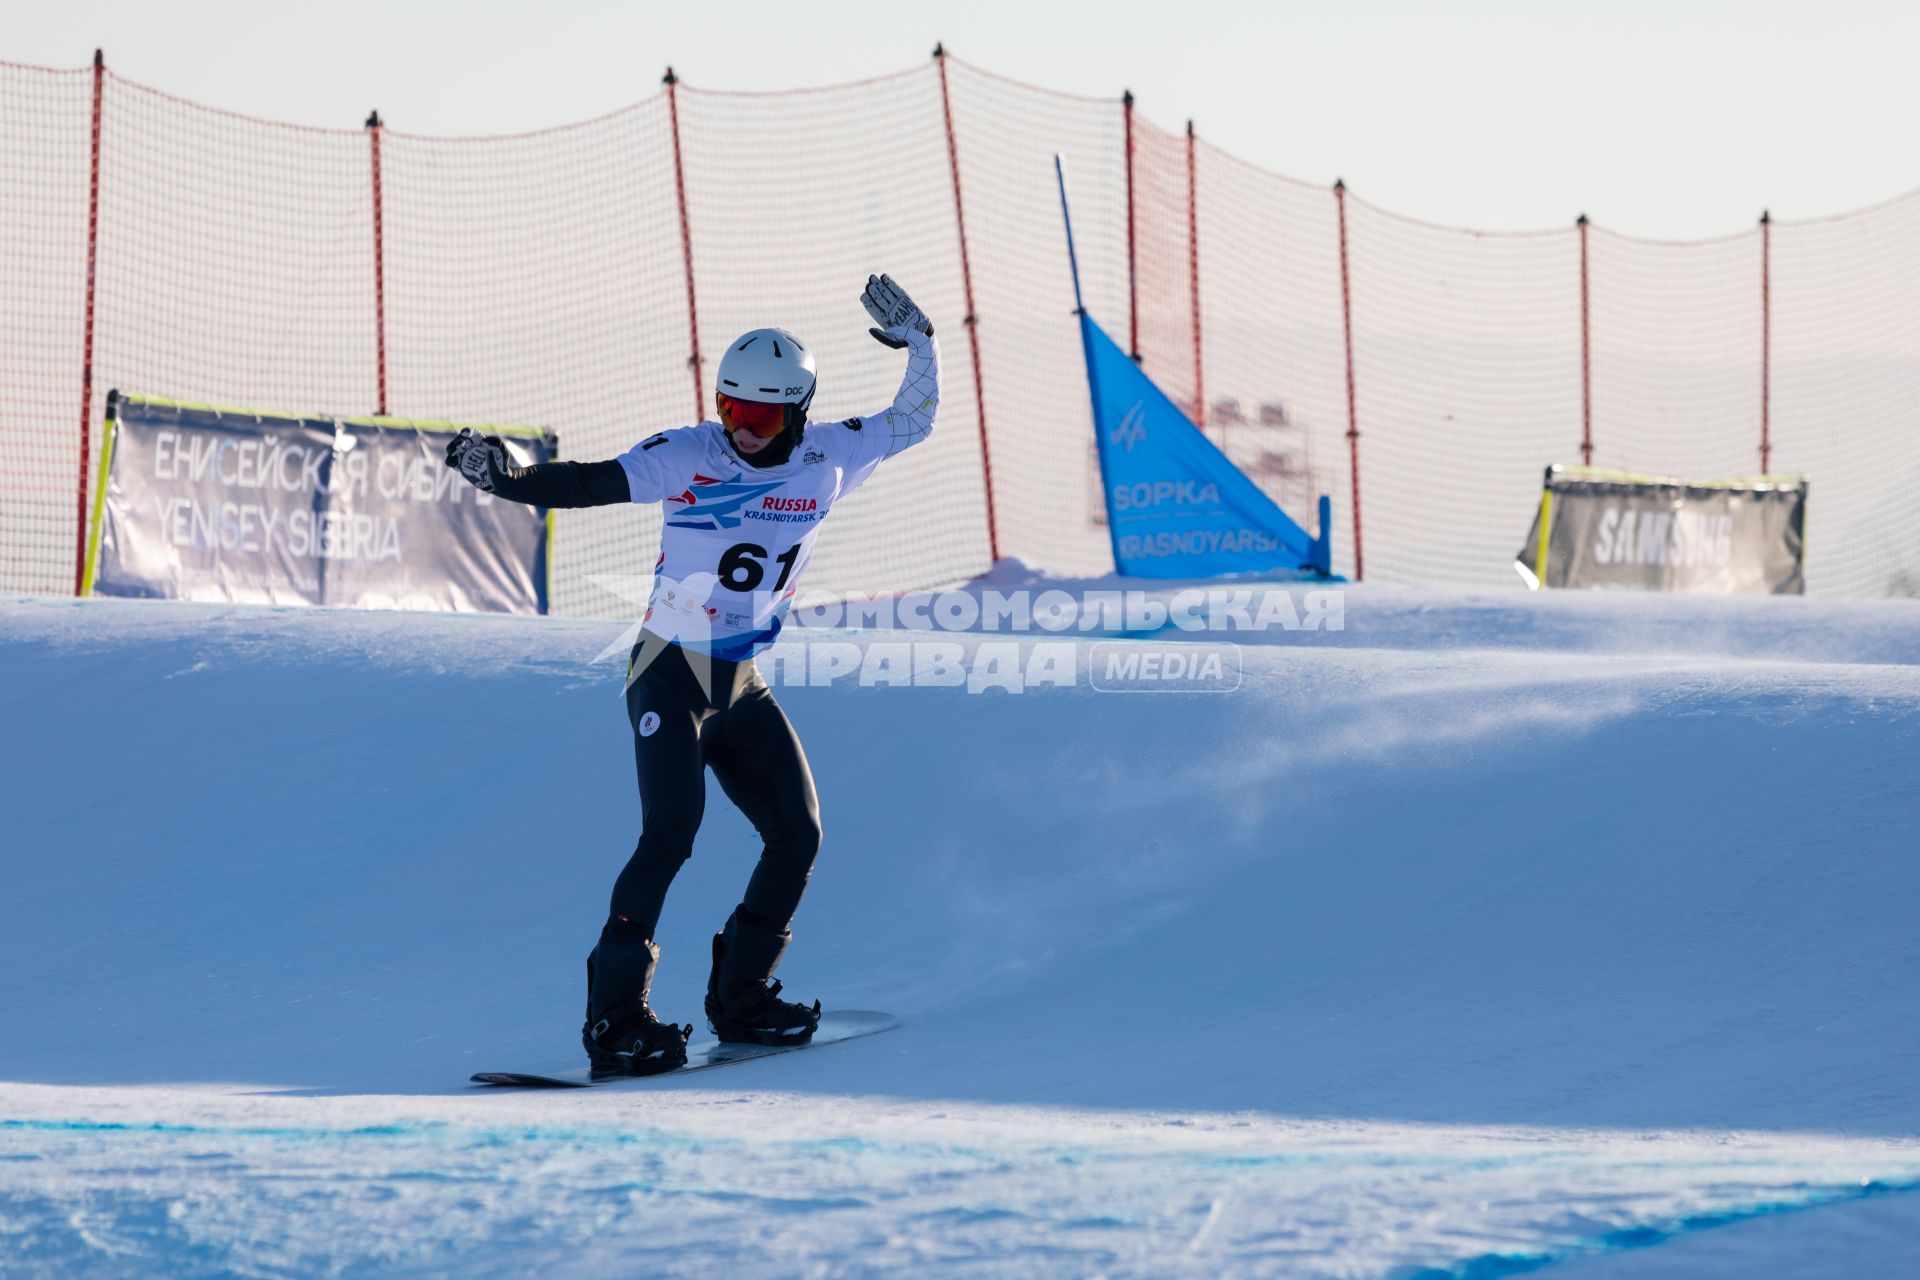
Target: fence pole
1353 410
686 245
1586 357
1193 278
1766 342
1133 263
86 344
973 320
374 130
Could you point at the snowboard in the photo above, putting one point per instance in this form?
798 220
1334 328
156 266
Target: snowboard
835 1026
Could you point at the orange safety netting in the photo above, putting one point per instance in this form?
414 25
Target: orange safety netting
585 279
45 162
538 280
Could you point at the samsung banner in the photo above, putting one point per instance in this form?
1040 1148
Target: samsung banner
1177 507
201 503
1611 529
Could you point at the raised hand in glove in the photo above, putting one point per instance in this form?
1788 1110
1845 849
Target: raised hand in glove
482 460
894 313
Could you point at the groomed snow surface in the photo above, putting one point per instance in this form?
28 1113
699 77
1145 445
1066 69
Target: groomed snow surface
1484 935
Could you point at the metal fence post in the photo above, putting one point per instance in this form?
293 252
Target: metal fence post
1766 342
86 351
686 246
1586 357
973 320
1133 261
374 130
1193 280
1353 409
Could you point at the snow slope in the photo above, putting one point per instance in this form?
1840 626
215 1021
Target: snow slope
1484 932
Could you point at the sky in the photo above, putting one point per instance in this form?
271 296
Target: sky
1670 120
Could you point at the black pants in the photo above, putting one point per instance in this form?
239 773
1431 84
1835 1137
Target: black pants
680 729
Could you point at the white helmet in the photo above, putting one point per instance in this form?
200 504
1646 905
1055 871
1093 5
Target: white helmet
768 365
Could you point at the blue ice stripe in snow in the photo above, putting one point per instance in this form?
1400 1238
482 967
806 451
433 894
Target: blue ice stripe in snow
1492 1266
109 1126
513 1135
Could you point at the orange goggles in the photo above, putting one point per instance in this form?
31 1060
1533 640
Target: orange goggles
762 419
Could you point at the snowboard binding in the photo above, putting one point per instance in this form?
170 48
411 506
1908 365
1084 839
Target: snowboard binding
631 1041
743 1004
622 1035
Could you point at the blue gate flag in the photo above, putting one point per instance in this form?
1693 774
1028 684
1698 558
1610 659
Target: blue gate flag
1177 507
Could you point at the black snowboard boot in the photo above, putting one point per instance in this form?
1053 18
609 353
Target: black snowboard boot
622 1036
743 1007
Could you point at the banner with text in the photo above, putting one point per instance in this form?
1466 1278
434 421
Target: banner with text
1177 507
203 503
1612 529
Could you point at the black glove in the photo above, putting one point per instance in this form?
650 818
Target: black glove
482 460
893 312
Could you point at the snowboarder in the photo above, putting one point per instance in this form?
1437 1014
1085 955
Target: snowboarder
743 499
